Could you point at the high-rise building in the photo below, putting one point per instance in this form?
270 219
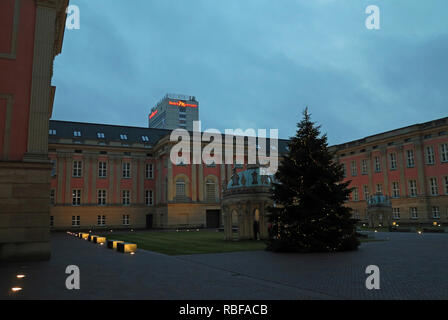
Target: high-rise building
175 111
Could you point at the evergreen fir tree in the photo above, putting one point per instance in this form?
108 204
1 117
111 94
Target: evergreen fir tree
309 213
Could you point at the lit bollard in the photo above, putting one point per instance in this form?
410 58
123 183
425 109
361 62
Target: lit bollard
126 247
100 240
112 244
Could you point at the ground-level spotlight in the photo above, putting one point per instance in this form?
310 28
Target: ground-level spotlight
132 253
20 276
16 289
197 230
376 230
419 232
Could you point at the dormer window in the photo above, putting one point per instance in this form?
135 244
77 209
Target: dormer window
123 137
52 132
76 133
145 138
100 135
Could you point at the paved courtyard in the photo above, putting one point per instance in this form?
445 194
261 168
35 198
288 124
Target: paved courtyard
412 266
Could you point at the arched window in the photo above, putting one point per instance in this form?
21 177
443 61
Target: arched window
210 190
180 188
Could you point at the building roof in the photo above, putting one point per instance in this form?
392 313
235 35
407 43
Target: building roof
90 131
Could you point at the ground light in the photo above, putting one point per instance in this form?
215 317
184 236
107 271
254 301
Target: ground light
20 276
132 253
419 232
16 289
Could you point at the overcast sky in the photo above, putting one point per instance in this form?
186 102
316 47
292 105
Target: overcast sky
258 63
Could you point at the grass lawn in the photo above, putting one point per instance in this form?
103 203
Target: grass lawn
193 242
183 242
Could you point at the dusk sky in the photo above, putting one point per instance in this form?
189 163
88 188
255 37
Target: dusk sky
258 63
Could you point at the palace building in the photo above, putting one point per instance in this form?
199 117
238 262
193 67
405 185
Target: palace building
31 35
408 165
113 177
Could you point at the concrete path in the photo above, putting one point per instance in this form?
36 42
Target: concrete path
412 267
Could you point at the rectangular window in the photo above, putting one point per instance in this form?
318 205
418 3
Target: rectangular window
445 182
76 133
77 169
355 194
410 158
126 220
149 172
53 168
126 197
395 189
102 169
436 212
180 189
101 220
412 188
126 170
102 197
379 188
393 161
52 192
366 192
76 199
396 213
430 155
364 166
344 170
433 187
377 164
444 152
354 169
76 221
51 221
149 197
414 213
356 214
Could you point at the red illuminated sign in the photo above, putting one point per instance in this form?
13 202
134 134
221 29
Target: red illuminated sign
182 104
153 114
